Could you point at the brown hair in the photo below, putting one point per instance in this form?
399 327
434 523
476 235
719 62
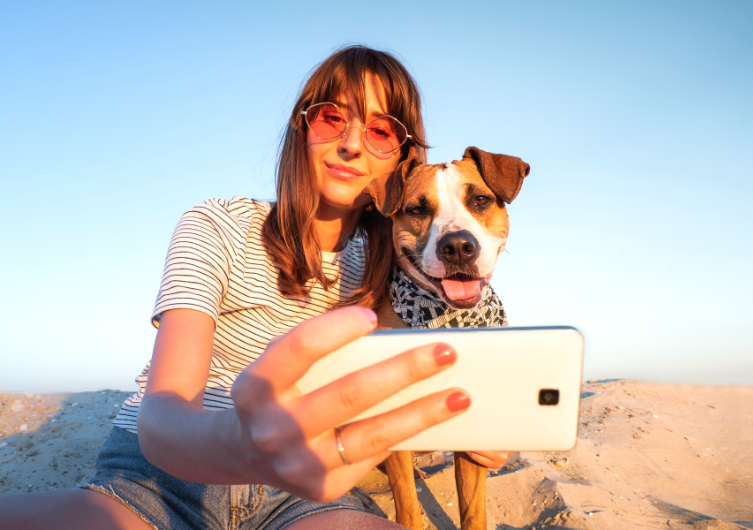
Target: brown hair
288 231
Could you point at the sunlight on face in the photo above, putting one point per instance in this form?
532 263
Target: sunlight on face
346 165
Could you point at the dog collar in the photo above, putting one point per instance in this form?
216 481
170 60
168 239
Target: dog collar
421 309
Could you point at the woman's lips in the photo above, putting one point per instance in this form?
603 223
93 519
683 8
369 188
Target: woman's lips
343 172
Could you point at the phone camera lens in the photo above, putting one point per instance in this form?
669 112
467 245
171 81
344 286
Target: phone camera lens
549 396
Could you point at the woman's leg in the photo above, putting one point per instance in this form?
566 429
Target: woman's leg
67 509
343 519
89 510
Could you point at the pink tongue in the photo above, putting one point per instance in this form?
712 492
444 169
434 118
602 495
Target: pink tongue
458 290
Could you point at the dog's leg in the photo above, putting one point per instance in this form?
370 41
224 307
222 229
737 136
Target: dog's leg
399 467
470 479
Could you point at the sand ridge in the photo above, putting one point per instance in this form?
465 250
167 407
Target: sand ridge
649 455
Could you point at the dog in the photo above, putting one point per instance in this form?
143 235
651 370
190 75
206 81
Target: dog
450 225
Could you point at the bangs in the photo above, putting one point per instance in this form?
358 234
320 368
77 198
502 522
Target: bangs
345 80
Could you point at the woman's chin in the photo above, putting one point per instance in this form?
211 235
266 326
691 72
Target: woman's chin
344 201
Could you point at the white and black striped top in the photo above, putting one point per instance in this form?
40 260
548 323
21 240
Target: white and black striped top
217 264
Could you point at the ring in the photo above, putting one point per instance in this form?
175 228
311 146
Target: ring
340 447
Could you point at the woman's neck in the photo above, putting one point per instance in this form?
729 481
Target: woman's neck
333 228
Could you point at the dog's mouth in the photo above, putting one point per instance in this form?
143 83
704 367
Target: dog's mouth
460 289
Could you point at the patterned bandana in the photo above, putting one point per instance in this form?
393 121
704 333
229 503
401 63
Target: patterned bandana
421 309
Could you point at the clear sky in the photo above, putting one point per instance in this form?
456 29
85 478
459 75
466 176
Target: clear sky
636 117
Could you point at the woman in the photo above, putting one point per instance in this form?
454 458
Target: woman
212 411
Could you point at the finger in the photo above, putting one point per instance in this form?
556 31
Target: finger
419 473
366 438
286 360
347 397
491 459
341 479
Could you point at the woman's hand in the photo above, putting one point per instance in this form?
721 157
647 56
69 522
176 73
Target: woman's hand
490 459
290 439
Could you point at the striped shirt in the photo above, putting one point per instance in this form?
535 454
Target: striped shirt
217 264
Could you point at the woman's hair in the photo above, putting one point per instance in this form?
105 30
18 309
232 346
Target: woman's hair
288 232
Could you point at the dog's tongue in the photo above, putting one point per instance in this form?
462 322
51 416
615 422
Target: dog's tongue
461 290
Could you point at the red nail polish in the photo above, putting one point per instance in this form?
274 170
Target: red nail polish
371 316
444 355
458 401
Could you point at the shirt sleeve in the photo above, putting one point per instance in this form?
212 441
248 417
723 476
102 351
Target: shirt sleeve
197 268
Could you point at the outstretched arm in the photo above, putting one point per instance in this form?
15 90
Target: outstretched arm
274 435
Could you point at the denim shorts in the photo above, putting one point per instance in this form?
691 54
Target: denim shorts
168 503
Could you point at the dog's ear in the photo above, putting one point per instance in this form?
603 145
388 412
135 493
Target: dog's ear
503 174
387 191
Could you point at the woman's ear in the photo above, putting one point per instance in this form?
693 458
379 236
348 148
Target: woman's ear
387 191
503 174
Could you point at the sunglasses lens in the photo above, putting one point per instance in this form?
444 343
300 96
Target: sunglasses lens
386 134
326 121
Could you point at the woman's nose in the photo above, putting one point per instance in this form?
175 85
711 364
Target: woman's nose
352 139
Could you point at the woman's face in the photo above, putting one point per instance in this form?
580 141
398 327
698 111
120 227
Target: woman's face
346 165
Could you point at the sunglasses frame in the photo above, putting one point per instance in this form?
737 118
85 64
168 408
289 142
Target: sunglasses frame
347 125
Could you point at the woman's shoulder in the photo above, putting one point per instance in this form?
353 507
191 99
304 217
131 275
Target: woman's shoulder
237 206
238 211
226 227
235 222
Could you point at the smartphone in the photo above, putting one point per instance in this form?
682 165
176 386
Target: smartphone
524 385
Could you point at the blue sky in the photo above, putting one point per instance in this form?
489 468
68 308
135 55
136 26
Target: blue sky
636 118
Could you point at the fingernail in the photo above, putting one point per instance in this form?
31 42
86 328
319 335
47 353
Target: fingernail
371 316
458 401
444 355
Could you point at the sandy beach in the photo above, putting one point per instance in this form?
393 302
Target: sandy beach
649 455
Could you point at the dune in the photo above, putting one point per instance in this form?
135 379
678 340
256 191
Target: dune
649 455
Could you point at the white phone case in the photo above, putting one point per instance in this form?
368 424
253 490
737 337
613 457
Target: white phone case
505 370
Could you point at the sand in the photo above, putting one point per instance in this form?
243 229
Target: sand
649 455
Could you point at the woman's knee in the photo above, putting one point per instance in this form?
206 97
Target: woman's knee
66 509
336 519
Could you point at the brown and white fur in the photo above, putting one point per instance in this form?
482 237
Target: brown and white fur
450 224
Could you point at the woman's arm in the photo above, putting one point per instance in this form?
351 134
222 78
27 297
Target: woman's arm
172 422
274 435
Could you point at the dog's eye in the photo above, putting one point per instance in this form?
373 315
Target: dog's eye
481 200
415 210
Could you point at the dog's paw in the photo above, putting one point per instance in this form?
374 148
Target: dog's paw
417 473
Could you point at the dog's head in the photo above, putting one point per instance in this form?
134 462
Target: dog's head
449 220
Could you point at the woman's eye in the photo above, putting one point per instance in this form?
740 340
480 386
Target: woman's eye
481 200
379 132
334 118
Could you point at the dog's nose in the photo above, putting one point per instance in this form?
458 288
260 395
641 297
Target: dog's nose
457 248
